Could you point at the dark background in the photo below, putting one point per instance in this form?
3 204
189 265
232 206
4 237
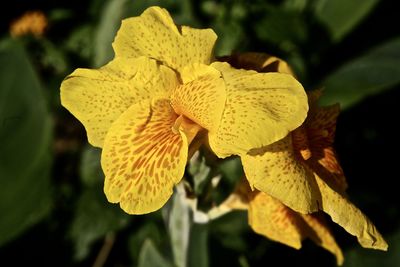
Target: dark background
53 211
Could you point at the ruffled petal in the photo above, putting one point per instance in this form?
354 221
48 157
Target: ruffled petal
143 158
261 108
276 171
98 97
272 219
153 34
347 215
202 98
259 62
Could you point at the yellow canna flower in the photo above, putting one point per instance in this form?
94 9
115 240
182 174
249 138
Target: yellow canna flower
269 217
146 106
301 170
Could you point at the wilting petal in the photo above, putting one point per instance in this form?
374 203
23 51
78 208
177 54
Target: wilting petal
276 171
321 125
259 62
272 219
344 213
98 97
260 108
154 34
202 100
143 158
319 232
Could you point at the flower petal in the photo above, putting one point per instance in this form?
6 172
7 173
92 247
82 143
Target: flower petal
154 34
203 99
321 124
319 232
276 171
98 97
344 213
143 158
261 108
272 219
259 62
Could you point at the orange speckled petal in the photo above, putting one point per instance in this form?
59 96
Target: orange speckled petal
261 108
272 219
98 97
143 158
276 171
344 213
202 99
320 233
154 34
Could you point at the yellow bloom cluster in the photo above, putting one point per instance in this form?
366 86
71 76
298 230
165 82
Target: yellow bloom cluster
163 88
32 22
164 93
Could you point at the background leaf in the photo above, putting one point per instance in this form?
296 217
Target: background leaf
25 137
369 74
150 257
341 16
110 22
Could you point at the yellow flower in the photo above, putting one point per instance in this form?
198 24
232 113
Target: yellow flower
146 106
301 170
269 217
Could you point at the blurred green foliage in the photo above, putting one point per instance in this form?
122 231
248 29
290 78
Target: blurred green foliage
52 206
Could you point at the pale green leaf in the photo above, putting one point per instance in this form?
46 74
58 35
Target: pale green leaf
177 217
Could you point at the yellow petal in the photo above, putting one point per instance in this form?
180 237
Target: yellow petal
260 108
344 213
272 219
319 232
97 97
259 62
143 158
154 34
276 171
202 100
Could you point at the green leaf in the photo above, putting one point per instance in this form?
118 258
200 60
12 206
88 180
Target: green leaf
150 257
94 218
282 27
110 22
359 256
149 230
178 222
341 16
198 246
90 168
370 74
25 138
200 172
